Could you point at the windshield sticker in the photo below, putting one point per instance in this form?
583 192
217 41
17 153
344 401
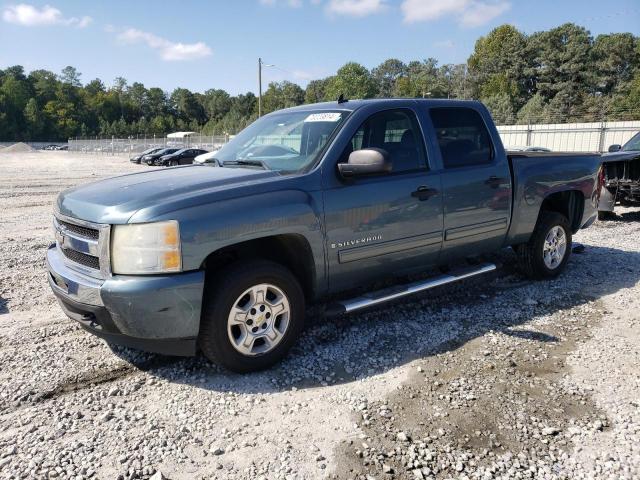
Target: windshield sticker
324 117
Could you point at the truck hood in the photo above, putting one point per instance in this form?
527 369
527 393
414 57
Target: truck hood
116 200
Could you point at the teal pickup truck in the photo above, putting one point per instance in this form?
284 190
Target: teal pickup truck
307 203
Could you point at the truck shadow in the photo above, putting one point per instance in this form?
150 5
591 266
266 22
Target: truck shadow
352 347
633 216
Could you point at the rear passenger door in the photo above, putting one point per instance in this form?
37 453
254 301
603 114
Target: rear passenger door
377 226
476 183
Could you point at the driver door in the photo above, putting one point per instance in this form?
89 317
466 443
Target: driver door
378 226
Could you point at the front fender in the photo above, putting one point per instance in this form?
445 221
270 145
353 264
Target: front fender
207 228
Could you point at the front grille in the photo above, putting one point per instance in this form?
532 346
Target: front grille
80 230
82 258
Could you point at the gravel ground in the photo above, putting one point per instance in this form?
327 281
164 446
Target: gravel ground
498 377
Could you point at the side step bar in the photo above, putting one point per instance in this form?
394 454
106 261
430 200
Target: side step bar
392 293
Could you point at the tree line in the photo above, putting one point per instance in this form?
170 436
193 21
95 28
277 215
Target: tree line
559 75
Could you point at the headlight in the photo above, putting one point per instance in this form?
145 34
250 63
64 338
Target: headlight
146 248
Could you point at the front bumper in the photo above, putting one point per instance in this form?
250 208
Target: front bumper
159 313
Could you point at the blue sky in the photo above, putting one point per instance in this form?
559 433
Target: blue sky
215 44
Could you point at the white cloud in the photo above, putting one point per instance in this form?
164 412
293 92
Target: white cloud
30 16
356 8
169 51
444 44
469 13
289 3
480 13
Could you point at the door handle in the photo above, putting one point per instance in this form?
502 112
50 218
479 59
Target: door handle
493 181
424 193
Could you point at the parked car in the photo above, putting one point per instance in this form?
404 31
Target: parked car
51 147
621 178
184 156
151 158
208 157
226 258
137 158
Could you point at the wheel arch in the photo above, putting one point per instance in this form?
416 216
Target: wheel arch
291 250
569 203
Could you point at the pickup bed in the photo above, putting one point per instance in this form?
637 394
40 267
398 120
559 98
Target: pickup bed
307 203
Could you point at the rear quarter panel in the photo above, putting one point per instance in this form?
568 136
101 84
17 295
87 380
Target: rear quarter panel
535 177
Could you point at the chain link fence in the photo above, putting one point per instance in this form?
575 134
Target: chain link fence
139 143
559 137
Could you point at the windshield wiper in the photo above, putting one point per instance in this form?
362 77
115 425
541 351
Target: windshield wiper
245 161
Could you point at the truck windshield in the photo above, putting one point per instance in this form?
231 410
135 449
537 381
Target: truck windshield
632 145
287 142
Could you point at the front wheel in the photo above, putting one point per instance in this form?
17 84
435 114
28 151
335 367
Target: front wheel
253 314
549 248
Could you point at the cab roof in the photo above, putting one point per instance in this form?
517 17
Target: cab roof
352 105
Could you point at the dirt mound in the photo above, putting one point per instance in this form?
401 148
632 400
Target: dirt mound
18 148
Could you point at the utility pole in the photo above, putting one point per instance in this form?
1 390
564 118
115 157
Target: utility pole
259 87
260 65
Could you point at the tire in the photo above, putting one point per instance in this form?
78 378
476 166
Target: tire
604 215
173 163
532 254
221 340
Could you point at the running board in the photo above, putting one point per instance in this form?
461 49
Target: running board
392 293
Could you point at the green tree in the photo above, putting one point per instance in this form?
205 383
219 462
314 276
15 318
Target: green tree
616 58
560 66
316 91
422 80
533 111
353 81
386 74
501 108
186 105
498 65
71 76
627 106
281 95
217 104
34 119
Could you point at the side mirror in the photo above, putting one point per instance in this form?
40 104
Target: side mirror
368 161
615 148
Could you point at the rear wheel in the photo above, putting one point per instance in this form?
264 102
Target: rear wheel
549 248
254 312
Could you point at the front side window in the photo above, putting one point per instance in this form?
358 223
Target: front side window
462 136
395 131
287 142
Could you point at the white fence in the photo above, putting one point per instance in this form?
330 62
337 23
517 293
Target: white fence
569 137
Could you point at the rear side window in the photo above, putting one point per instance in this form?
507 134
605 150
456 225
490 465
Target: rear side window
462 137
395 131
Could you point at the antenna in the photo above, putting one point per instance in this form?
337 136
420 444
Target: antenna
341 99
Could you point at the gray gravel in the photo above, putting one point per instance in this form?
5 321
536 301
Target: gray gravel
498 377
